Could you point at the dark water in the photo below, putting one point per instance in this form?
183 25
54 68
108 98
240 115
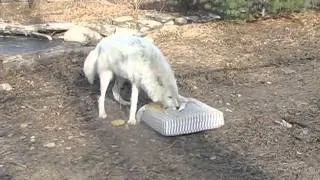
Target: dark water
20 45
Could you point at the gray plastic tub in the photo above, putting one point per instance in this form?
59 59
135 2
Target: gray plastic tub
193 116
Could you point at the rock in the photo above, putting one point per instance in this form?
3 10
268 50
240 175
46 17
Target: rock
5 87
50 145
82 35
214 16
163 18
209 17
169 23
181 20
192 18
152 24
122 20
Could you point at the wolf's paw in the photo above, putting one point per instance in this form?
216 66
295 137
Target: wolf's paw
132 121
103 115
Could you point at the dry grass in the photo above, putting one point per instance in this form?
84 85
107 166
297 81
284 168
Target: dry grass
74 11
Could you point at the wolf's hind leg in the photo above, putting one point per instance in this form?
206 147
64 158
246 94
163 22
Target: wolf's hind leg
105 78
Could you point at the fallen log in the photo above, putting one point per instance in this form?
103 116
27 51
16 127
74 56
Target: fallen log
35 60
37 30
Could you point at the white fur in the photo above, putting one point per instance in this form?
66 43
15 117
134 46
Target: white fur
137 60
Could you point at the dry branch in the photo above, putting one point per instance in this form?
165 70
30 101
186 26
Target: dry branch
38 30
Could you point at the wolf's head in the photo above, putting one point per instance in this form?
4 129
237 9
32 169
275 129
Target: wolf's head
170 95
89 66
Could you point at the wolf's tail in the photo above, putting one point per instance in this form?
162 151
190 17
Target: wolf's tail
90 67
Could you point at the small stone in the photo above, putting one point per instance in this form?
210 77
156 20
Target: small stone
50 145
213 158
70 137
228 104
268 82
31 148
24 125
181 20
5 87
122 19
299 153
82 134
68 148
32 139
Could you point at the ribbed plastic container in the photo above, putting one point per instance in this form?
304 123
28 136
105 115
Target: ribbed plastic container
195 116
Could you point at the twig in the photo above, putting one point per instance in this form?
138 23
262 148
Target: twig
34 109
163 5
18 164
42 35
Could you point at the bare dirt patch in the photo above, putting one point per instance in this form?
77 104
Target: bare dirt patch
258 73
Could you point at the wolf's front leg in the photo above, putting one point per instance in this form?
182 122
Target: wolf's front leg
134 103
105 78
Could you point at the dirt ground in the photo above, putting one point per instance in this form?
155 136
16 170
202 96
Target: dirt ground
259 74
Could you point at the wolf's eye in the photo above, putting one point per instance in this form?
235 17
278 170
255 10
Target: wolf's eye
170 97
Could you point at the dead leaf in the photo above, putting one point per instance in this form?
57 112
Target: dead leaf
118 122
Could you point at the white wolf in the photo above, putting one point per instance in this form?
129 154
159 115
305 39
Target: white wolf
138 60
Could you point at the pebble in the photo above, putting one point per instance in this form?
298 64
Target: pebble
5 87
24 125
50 145
32 139
68 148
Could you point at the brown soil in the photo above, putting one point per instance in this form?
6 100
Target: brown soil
258 74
